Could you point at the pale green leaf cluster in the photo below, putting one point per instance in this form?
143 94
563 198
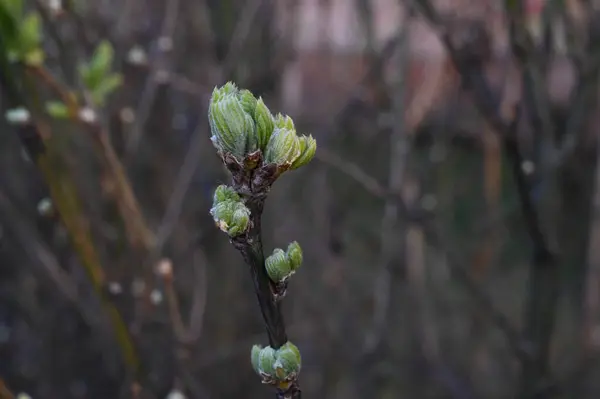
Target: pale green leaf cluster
97 78
97 75
280 365
281 265
229 212
21 33
241 124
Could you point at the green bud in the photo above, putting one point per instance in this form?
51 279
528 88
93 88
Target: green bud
287 361
222 213
240 220
277 265
248 101
294 255
229 88
264 124
308 148
231 217
283 147
252 140
230 125
225 193
255 357
284 122
266 359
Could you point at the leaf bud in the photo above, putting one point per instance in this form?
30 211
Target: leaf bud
225 193
248 101
283 147
230 216
308 148
264 124
284 122
240 220
288 362
294 255
230 125
255 357
266 359
222 213
277 265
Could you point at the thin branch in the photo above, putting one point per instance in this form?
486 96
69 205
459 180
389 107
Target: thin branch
399 148
434 238
182 185
5 393
251 248
164 48
240 35
542 295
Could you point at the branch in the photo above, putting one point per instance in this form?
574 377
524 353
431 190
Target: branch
164 48
486 305
257 148
542 296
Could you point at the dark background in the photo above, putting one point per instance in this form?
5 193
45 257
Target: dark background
422 268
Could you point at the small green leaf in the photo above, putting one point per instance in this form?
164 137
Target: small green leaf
308 148
283 147
225 193
264 124
30 33
9 25
99 66
57 109
248 101
255 357
294 255
266 358
108 85
278 266
13 7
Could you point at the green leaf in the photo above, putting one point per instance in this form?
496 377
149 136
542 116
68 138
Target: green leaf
13 7
57 110
9 26
30 33
108 85
99 65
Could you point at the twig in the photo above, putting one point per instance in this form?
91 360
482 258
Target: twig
432 236
251 248
399 146
138 233
37 140
164 47
182 185
49 268
544 282
240 35
5 393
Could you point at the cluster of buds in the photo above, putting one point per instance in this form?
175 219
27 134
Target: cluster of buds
229 212
244 129
281 265
277 366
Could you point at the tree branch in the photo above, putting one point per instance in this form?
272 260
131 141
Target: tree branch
542 294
